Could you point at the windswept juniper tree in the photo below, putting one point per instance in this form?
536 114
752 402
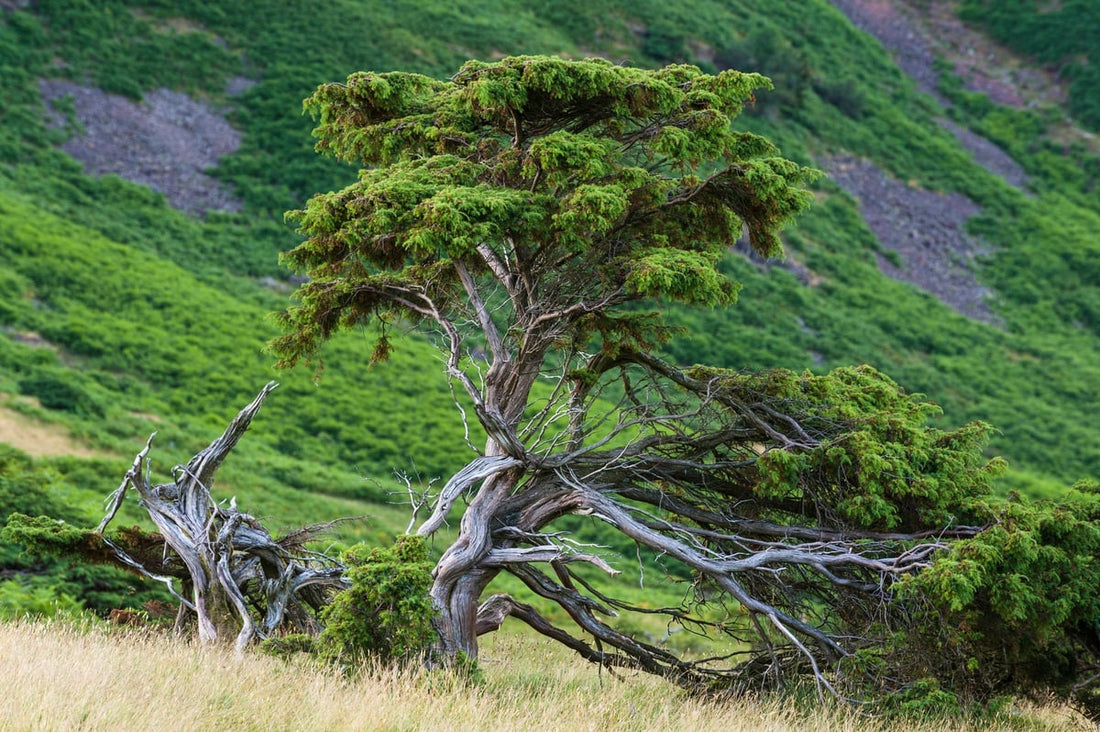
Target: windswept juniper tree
532 214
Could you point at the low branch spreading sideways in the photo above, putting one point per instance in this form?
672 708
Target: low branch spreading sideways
756 492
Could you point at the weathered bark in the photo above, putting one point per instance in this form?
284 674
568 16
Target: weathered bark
241 582
459 578
676 470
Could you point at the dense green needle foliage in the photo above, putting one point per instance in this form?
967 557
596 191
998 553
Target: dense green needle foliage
386 614
611 185
1015 608
885 470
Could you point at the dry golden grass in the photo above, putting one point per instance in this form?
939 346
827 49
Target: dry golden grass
60 678
40 439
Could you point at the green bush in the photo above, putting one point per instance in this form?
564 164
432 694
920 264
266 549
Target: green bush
26 489
386 614
286 646
43 553
20 599
844 94
765 51
924 698
55 391
1015 608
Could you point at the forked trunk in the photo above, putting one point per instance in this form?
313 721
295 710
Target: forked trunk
460 577
457 604
243 584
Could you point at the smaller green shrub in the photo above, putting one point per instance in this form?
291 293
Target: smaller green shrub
844 94
1016 605
764 50
19 600
386 614
665 44
286 646
924 698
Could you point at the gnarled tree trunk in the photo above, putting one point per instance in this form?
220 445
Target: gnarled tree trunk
240 582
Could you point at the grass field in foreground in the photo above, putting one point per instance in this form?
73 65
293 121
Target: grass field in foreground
59 677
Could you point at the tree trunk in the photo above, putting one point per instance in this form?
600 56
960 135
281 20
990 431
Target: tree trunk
459 579
218 623
457 604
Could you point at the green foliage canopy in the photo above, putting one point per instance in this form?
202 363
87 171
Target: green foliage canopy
603 184
878 464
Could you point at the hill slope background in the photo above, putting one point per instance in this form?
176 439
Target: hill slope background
953 244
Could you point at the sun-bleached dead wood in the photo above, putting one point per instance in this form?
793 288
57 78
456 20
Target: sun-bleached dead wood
238 582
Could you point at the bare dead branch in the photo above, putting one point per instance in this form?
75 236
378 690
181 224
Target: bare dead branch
232 562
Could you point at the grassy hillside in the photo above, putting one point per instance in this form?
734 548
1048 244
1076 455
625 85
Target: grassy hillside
120 315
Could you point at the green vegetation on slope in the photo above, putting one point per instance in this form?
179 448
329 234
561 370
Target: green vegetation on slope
149 337
157 321
1062 35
